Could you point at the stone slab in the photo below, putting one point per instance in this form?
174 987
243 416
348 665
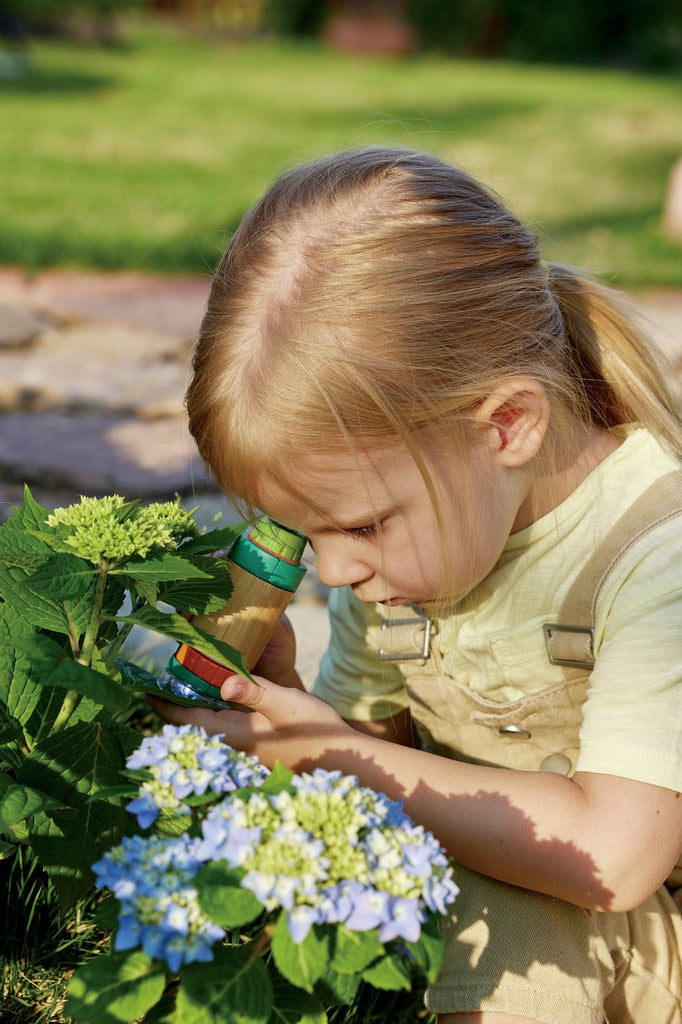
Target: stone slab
19 325
97 366
98 454
169 305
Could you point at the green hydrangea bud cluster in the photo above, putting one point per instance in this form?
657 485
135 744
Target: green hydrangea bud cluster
336 817
113 530
389 873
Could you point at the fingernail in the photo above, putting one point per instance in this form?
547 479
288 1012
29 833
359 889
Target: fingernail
234 687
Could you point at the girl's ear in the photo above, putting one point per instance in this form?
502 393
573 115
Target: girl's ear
514 420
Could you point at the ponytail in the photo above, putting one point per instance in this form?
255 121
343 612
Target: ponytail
622 373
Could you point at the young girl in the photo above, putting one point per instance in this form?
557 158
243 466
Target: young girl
486 460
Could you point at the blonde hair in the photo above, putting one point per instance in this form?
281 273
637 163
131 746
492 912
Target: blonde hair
378 294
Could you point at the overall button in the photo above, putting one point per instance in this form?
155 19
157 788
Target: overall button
514 730
557 763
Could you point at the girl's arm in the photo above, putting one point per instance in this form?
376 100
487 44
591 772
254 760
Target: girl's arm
598 841
398 729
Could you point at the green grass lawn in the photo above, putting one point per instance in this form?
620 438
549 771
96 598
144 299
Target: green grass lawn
147 155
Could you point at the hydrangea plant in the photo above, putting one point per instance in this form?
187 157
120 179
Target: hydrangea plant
253 886
73 583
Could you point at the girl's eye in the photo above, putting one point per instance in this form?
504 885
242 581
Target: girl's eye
370 530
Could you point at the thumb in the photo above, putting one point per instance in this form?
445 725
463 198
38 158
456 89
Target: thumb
251 693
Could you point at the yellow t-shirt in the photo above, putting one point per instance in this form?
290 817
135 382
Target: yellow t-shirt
494 642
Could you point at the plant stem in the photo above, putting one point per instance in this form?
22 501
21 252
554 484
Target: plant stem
65 711
116 644
87 648
261 944
92 631
73 636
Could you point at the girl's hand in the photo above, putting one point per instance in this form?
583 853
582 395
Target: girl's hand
285 724
278 660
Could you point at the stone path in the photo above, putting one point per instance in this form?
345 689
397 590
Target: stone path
93 369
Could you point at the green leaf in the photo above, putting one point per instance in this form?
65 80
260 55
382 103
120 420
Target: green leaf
166 566
234 989
68 842
82 760
292 1006
107 913
12 756
20 687
40 724
220 539
178 628
59 592
389 973
26 560
278 780
19 802
115 987
148 590
33 514
51 661
17 545
301 963
337 989
117 794
53 538
171 824
353 951
162 1012
6 850
76 766
200 596
429 950
28 516
222 897
9 731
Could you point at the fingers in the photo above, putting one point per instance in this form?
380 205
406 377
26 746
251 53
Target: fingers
174 714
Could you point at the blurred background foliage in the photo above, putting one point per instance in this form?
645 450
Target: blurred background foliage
137 132
643 33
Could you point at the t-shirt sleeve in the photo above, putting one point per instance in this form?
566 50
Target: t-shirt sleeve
351 677
632 719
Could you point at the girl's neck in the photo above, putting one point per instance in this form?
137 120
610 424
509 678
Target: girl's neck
571 465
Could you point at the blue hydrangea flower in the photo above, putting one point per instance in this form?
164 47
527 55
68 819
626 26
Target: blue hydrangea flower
326 850
402 919
227 834
332 851
185 761
152 879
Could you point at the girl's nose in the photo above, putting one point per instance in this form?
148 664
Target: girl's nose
337 566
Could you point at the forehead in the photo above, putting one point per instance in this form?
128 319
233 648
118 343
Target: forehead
340 486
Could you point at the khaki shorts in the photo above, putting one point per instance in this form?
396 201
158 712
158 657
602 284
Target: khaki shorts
523 953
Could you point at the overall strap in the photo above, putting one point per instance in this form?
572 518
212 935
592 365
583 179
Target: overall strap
569 640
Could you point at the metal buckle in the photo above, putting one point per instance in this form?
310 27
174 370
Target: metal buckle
556 627
413 655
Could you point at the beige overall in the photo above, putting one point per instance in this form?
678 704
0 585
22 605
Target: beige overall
539 732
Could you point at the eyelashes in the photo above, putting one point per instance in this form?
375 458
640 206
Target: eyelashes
370 530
